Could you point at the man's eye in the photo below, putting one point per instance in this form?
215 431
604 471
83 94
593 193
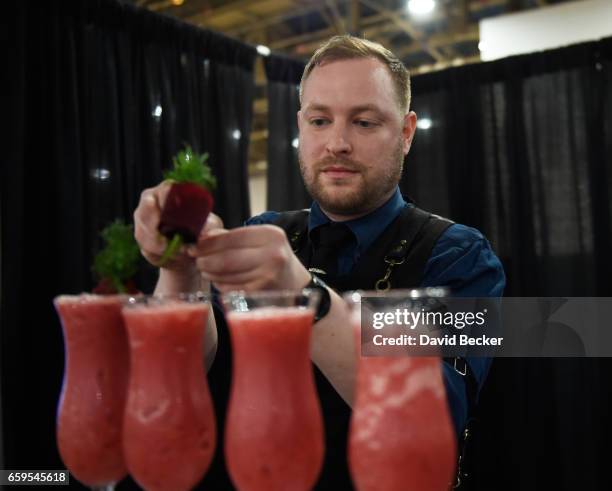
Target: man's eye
365 124
318 121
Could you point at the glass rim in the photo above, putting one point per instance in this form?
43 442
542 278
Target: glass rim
157 299
263 294
86 297
355 296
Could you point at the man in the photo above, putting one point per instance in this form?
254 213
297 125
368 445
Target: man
355 128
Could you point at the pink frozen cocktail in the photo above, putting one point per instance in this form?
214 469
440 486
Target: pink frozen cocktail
169 427
401 434
274 431
93 395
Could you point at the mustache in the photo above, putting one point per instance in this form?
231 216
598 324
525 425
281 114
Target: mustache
351 165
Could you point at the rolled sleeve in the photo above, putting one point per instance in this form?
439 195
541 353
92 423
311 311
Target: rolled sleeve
463 260
265 218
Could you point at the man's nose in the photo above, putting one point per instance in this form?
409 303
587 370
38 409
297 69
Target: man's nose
338 143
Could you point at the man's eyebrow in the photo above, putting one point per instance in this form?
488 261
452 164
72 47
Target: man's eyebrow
366 107
354 110
316 107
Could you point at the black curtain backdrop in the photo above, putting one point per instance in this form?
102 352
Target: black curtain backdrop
520 148
99 96
286 189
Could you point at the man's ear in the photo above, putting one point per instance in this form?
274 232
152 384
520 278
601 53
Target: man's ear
408 130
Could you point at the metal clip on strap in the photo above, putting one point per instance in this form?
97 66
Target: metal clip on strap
460 365
394 258
295 241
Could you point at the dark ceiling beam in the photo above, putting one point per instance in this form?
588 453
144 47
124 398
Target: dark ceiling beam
266 22
159 5
316 37
337 18
407 27
355 17
442 40
229 7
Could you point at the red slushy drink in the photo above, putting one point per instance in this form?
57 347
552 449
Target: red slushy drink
274 432
93 395
401 434
169 427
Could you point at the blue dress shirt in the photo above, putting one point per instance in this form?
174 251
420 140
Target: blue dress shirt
461 259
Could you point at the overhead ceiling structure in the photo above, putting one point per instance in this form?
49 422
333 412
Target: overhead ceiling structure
445 36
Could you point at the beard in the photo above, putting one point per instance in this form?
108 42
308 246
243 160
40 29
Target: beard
366 196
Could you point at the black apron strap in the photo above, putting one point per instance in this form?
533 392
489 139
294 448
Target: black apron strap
295 225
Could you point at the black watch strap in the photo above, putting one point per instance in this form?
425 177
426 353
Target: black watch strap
318 284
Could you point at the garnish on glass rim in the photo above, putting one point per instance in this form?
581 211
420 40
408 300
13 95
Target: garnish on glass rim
117 263
189 201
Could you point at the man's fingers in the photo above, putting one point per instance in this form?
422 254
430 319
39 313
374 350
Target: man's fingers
149 239
161 193
241 237
213 222
230 261
251 286
237 279
146 220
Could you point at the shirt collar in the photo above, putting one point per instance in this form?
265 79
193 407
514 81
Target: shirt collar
367 228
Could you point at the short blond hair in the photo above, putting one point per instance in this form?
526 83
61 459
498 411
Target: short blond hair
346 47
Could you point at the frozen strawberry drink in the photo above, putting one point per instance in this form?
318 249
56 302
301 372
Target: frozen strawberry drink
274 431
401 434
93 395
169 428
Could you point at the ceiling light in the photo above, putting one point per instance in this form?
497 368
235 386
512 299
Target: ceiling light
263 50
236 134
424 123
295 143
100 174
421 7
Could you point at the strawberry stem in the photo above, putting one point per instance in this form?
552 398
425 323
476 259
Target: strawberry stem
173 246
118 284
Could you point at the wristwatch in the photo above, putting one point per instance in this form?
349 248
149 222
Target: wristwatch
318 284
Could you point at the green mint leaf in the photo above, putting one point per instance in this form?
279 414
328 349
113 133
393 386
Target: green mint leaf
118 261
191 167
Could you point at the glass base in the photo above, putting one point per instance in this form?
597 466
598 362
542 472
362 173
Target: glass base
104 487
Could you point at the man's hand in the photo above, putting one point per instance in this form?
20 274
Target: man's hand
181 273
252 258
259 257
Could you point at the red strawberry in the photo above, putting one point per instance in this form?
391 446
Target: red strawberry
188 203
185 211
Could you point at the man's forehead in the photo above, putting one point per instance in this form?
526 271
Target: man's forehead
357 61
366 80
349 69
